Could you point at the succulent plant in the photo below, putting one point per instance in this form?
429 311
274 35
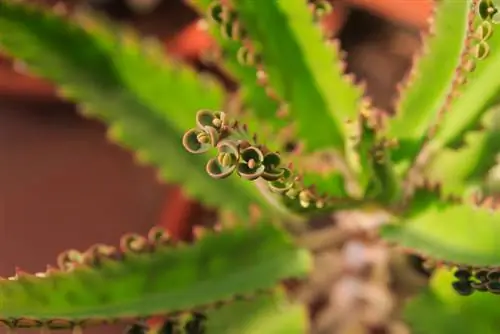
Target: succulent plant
299 139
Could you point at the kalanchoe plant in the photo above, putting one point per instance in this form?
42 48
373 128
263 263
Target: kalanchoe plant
321 147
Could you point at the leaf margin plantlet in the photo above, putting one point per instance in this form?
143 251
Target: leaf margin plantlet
116 274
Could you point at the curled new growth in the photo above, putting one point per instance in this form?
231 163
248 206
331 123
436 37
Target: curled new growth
489 15
237 154
469 281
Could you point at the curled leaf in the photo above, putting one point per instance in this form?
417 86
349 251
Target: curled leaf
494 275
322 8
463 288
245 56
482 50
215 12
251 167
198 141
469 280
228 153
217 171
68 259
494 287
284 183
487 10
482 280
484 31
272 169
207 118
232 30
463 274
159 236
97 253
134 243
226 161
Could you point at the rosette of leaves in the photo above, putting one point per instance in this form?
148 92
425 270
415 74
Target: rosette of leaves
291 84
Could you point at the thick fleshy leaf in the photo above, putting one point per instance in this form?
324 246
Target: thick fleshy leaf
448 230
302 69
166 280
481 91
429 86
385 186
265 314
99 68
439 309
377 175
253 95
459 169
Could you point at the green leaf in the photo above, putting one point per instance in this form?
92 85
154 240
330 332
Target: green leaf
447 230
376 173
491 185
481 91
429 87
218 267
302 69
385 185
331 184
459 169
145 99
253 96
263 110
439 309
265 314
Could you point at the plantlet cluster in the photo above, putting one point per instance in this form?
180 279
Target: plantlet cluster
323 147
236 153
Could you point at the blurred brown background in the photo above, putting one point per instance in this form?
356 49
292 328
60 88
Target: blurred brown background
62 185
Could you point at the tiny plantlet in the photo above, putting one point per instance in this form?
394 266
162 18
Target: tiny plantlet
298 140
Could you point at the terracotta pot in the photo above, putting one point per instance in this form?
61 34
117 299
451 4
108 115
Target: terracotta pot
411 13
